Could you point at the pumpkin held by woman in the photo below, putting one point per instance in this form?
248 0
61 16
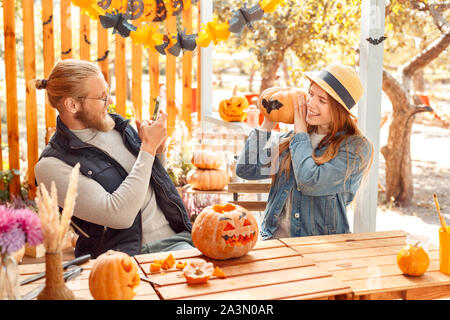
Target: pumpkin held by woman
225 231
413 260
277 103
114 276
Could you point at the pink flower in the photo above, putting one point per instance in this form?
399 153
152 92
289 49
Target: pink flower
30 224
12 240
7 219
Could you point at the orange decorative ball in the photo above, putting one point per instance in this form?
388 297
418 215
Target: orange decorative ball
277 103
413 260
114 276
225 231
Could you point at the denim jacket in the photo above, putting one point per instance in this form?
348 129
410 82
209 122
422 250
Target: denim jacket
320 195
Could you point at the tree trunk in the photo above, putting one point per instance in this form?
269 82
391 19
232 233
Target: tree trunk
270 72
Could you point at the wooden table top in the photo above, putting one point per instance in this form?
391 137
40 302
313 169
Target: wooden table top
367 262
350 266
270 271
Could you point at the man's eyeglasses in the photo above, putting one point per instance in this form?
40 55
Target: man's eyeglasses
108 94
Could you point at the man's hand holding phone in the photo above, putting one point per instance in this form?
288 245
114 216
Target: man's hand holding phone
153 133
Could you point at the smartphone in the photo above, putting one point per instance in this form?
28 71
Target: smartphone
155 112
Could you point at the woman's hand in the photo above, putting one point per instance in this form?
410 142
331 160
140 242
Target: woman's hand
153 134
300 115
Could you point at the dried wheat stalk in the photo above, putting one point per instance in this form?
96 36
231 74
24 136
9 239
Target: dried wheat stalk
55 227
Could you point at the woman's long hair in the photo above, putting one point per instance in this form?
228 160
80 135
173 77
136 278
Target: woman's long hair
341 121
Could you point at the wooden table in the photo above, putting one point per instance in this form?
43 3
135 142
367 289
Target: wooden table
367 262
270 271
345 266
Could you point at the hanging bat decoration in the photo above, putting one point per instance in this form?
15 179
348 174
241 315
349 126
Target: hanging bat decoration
245 16
118 22
183 42
161 48
270 105
376 41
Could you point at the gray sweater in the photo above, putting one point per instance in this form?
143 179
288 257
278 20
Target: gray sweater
118 209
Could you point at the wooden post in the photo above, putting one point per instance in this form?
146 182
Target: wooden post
12 116
199 69
102 51
66 29
85 37
31 110
369 108
49 58
136 76
153 57
206 89
120 76
171 78
186 60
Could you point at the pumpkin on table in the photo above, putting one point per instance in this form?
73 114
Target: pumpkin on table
233 109
413 260
208 179
114 276
277 103
225 231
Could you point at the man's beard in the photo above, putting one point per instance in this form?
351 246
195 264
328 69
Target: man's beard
95 120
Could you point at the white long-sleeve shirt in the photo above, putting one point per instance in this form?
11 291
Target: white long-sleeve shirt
118 209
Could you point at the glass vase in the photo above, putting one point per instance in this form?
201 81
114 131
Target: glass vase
9 278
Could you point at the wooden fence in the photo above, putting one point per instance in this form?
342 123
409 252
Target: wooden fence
104 57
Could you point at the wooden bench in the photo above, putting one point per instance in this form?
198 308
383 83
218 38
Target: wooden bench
240 188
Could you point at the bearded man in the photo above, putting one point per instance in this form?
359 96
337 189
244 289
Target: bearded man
126 200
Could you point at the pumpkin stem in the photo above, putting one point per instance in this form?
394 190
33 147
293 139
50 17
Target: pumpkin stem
416 244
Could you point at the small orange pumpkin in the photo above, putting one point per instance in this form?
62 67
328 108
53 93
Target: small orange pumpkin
225 231
198 271
114 276
277 103
413 260
233 109
213 179
207 159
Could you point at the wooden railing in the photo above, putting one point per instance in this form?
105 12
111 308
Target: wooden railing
105 55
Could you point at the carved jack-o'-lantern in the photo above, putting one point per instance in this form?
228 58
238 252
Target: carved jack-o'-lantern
225 231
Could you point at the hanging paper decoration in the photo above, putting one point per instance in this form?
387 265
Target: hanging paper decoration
116 13
213 31
269 6
183 42
118 22
89 8
148 36
244 16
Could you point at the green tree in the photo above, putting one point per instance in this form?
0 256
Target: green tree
305 30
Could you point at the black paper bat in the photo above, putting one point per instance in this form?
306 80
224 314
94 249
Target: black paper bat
245 16
270 105
184 42
376 41
118 22
161 11
161 48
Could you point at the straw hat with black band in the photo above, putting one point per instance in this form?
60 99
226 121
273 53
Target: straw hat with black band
341 82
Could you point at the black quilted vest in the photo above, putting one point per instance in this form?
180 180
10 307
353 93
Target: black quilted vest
97 165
